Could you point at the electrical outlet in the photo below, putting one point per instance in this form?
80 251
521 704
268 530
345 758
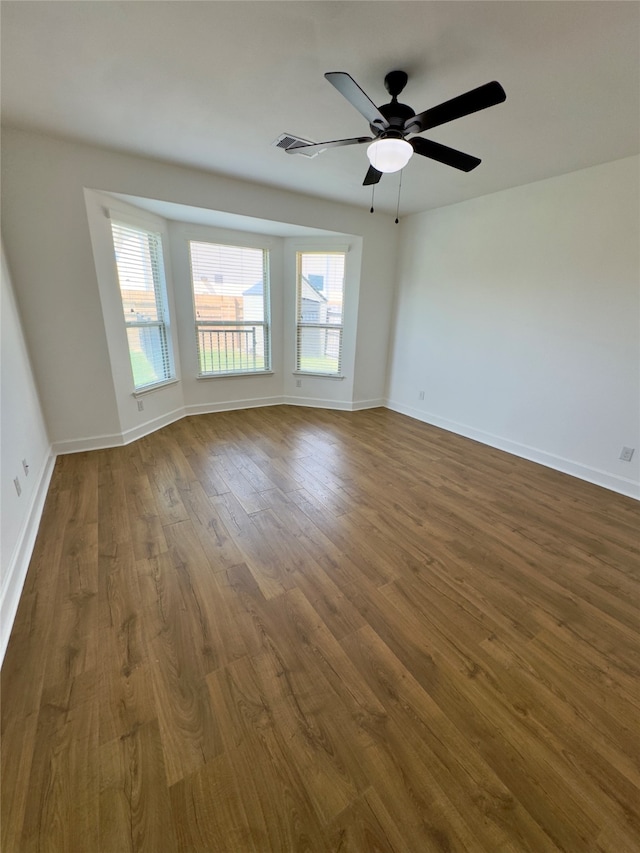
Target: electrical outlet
298 383
421 395
140 405
626 454
16 483
25 467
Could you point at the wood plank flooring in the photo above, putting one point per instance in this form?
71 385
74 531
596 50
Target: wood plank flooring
287 629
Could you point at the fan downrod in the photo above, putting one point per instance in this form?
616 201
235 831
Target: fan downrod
395 81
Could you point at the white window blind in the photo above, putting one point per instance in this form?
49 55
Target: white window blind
319 311
140 268
231 303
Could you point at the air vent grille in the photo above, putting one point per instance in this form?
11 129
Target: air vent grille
287 139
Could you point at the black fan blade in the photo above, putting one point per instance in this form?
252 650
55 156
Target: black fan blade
349 89
372 177
334 143
444 154
477 99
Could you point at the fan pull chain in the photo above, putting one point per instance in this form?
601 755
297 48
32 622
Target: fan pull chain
398 204
373 192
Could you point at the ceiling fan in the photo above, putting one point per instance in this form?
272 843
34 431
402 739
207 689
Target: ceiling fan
392 123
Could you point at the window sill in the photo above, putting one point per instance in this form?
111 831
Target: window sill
339 377
206 376
140 392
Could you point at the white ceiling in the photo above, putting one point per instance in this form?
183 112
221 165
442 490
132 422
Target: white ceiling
213 84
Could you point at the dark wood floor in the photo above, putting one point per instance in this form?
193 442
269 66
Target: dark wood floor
299 630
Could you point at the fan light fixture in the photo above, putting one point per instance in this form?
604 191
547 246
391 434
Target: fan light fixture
389 154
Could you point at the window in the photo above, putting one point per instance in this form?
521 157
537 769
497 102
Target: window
231 301
140 268
319 312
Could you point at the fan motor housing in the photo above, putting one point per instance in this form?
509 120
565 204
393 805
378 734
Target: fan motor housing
396 114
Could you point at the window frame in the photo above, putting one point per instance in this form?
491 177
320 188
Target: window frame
299 325
229 326
157 250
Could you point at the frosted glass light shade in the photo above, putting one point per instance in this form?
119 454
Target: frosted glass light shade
389 155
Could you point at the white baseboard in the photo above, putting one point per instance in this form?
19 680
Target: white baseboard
79 445
102 442
116 439
232 406
359 405
19 562
317 403
614 483
337 405
151 426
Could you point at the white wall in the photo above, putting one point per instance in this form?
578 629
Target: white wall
518 315
49 248
22 436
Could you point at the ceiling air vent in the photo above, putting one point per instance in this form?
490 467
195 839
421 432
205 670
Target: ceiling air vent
287 139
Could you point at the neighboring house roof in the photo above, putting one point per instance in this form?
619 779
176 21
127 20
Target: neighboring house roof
309 291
